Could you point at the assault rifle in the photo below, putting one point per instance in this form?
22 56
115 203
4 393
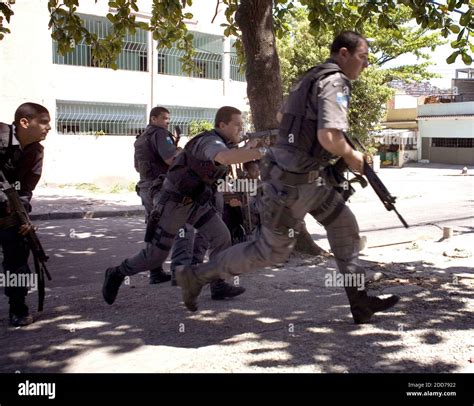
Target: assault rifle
379 188
22 218
266 136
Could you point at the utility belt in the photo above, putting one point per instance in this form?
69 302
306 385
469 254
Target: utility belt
292 178
178 197
207 195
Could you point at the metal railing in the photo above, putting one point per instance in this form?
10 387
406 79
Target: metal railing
134 55
73 117
184 116
208 58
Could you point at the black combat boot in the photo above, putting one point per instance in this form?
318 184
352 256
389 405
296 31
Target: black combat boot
112 282
364 306
191 283
19 314
158 275
221 290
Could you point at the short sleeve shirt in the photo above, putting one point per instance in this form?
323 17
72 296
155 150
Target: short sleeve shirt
208 147
329 102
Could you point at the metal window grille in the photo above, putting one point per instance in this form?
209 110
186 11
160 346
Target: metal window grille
73 117
208 58
184 116
235 68
453 142
134 52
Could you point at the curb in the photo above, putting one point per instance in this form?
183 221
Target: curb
87 214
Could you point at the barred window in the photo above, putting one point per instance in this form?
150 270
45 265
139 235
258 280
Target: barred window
208 58
134 55
184 116
74 117
235 68
453 142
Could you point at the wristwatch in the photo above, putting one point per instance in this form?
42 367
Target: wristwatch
262 150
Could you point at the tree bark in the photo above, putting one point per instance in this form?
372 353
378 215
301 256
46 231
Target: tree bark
255 20
264 89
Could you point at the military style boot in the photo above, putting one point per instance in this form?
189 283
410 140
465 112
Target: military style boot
112 282
221 290
158 275
19 314
364 306
191 283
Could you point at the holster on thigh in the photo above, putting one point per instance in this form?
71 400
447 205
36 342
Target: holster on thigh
329 209
277 214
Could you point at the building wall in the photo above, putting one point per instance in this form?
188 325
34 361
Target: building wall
446 127
449 121
459 156
27 73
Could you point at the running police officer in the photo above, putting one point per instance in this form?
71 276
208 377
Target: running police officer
311 134
154 153
187 197
21 161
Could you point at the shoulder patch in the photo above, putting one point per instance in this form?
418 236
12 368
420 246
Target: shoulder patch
342 99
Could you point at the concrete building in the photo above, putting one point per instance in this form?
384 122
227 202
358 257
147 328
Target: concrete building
463 83
96 112
398 139
447 132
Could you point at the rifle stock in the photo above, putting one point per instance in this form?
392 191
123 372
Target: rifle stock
39 255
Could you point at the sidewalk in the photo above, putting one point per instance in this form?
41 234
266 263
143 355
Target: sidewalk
69 203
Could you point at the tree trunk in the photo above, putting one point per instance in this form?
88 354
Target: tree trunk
255 20
264 90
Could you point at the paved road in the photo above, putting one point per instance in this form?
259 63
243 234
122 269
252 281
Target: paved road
288 320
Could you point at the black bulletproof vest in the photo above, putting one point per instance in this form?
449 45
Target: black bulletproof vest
20 165
297 136
191 175
148 163
9 154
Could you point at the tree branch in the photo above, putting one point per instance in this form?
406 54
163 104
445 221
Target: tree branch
217 10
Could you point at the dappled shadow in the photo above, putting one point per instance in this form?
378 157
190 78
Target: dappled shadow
287 320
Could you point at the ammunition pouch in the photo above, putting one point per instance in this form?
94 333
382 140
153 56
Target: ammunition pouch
157 185
154 218
277 214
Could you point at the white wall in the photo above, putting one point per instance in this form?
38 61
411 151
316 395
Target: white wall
25 58
28 74
104 160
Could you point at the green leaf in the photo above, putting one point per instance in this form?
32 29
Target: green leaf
452 58
111 18
467 59
466 19
142 25
455 28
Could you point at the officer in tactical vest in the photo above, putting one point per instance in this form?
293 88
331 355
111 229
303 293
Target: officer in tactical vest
187 197
21 161
312 123
154 153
